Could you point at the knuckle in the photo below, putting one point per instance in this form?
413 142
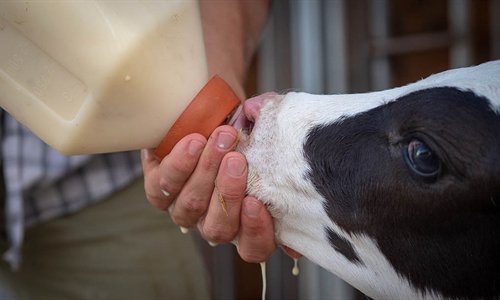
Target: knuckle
254 257
182 167
255 230
180 221
221 234
155 199
165 185
160 204
231 194
195 206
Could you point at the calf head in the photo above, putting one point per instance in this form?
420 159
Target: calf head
397 192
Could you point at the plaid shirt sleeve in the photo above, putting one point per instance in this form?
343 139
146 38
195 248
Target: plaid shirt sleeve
42 184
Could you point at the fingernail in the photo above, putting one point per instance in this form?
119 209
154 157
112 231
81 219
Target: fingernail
165 193
225 140
212 244
184 230
235 166
252 208
195 147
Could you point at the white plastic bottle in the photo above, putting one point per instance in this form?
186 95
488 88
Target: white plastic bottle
100 76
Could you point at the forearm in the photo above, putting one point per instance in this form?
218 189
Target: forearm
232 29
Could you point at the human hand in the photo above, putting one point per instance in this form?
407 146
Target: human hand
183 184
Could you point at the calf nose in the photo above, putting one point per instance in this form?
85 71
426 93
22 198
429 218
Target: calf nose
252 106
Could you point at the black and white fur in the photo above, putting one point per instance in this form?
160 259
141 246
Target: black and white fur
397 191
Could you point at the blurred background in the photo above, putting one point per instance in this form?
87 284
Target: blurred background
347 46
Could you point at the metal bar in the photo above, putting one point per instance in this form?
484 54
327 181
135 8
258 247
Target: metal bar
380 67
306 46
274 54
334 16
459 26
358 45
266 58
495 28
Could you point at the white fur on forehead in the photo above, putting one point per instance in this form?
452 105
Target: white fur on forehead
483 80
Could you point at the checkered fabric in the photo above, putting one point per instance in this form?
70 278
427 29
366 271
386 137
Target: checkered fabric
42 184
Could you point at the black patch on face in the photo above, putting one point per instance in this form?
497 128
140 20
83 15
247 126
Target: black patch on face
443 233
342 246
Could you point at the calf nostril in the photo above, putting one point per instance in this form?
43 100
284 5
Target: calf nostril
253 105
244 119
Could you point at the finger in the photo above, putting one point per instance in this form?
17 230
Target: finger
222 221
290 252
151 177
256 237
148 160
164 180
193 201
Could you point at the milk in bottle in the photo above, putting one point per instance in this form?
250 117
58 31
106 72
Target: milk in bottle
100 76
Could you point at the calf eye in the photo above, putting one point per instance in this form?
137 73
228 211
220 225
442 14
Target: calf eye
422 160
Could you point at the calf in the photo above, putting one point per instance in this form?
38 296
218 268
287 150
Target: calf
396 191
